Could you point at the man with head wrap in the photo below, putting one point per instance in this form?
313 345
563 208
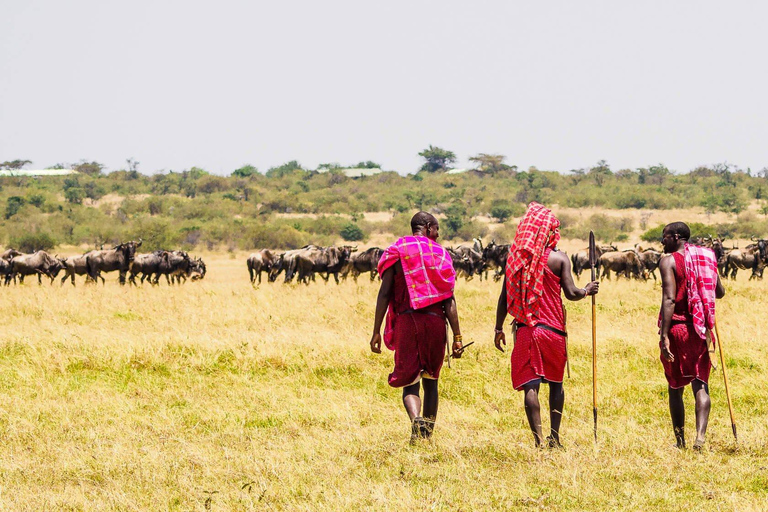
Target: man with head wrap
534 275
417 280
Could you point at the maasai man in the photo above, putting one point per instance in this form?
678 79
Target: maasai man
417 280
534 275
690 283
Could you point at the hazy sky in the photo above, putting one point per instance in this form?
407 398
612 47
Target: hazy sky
557 84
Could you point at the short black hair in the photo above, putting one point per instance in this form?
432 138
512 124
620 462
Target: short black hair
679 228
421 219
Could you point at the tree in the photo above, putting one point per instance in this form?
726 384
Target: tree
351 232
501 210
491 164
245 171
89 168
14 165
437 159
13 205
286 169
600 172
367 165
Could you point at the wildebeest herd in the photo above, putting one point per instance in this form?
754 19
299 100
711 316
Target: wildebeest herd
176 266
478 260
342 261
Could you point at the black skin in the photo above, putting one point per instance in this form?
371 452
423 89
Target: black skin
411 399
673 243
560 265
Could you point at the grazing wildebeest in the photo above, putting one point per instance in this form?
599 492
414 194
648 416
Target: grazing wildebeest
366 261
176 264
626 262
258 262
580 259
118 258
495 257
40 263
76 265
197 269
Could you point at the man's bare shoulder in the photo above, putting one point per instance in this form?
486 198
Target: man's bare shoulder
559 256
666 261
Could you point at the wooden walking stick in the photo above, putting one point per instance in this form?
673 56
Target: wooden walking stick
725 380
592 261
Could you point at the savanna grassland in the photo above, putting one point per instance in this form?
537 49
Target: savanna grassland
215 395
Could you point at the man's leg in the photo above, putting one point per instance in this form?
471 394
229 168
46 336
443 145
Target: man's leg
533 410
556 403
430 406
412 400
677 412
701 395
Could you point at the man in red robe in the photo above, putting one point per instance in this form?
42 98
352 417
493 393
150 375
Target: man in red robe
417 280
534 275
690 283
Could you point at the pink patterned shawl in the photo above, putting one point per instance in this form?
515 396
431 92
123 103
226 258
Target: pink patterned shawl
428 272
701 281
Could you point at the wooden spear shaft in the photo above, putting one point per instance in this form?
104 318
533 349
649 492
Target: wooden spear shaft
725 380
592 258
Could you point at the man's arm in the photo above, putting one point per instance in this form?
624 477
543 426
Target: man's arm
382 302
500 338
719 289
668 291
452 314
563 269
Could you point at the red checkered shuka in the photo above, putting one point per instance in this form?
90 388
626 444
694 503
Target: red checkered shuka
537 231
701 281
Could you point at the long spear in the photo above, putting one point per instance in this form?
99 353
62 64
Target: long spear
592 261
725 380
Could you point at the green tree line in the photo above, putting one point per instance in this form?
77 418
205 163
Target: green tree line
246 209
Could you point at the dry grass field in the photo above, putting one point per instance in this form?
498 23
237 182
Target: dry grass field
218 396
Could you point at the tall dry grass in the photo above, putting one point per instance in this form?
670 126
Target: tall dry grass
218 396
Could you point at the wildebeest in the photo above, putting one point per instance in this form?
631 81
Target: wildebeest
197 269
330 260
259 262
146 264
10 254
5 271
650 261
495 257
753 257
366 261
626 262
175 265
466 261
40 263
580 259
76 265
118 258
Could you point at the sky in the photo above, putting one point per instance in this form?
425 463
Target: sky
558 85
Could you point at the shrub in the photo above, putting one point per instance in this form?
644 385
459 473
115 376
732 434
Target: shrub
352 233
501 210
31 242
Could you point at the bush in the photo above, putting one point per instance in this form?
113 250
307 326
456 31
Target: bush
501 210
352 233
13 204
32 242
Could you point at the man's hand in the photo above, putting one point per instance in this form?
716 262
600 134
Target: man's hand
665 352
376 343
499 340
592 288
458 349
